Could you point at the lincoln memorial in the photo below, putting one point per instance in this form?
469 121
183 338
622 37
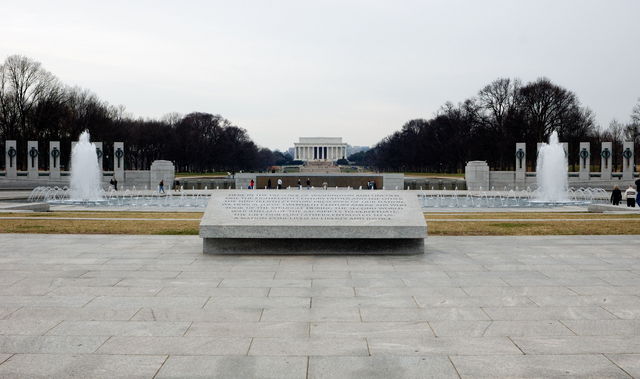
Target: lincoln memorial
320 149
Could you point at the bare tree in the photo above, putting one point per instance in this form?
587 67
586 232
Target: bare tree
635 114
498 99
23 85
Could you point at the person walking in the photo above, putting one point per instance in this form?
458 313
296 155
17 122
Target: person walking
616 195
279 183
251 184
115 184
630 194
299 184
308 183
269 184
161 186
637 192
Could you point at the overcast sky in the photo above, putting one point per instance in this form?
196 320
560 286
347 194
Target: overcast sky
352 69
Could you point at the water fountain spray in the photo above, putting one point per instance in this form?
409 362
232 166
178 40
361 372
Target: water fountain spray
552 171
86 184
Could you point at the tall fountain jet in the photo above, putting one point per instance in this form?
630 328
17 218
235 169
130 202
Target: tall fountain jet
552 172
86 183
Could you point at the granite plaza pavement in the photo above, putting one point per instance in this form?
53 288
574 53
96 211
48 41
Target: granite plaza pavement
155 306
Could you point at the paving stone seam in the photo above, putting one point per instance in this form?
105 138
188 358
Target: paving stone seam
102 344
51 328
615 364
487 328
604 307
187 329
160 368
249 348
454 366
566 326
516 345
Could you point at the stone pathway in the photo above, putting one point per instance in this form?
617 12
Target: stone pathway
154 306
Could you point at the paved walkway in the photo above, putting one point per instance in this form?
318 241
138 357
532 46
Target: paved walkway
154 306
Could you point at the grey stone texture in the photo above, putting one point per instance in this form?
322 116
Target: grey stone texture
155 306
313 222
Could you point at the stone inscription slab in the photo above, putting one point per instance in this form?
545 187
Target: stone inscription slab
309 214
309 206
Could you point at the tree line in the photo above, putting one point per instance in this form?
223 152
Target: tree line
487 127
35 105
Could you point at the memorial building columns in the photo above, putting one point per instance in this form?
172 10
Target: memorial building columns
32 159
628 160
606 154
320 149
54 159
521 164
118 161
10 159
585 161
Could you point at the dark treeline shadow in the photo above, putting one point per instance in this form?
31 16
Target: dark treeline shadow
35 105
487 127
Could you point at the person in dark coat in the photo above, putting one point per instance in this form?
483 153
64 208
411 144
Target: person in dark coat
616 196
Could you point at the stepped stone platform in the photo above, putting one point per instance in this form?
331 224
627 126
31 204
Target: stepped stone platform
313 222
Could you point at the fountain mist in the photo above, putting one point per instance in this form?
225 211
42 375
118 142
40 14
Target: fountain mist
552 171
86 183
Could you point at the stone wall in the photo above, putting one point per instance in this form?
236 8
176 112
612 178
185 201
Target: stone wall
355 180
141 179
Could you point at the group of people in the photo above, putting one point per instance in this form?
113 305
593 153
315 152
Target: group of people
371 184
279 184
269 184
114 185
631 195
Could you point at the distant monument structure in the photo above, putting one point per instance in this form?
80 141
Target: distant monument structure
310 149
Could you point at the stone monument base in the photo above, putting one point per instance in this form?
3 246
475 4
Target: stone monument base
322 246
313 222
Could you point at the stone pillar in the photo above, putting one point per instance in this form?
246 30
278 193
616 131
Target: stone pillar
54 159
476 174
585 161
521 163
162 170
606 154
99 154
628 159
32 159
118 162
11 155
